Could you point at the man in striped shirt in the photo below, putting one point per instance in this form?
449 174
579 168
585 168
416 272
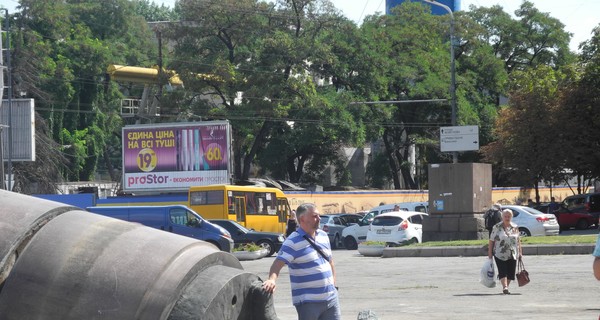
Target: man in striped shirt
307 253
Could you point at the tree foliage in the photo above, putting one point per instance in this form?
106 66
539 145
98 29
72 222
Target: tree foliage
289 75
275 54
61 52
522 128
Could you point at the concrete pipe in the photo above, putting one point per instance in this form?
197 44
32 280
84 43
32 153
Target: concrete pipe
20 218
85 266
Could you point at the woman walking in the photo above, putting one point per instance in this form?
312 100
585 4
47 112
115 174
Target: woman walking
505 246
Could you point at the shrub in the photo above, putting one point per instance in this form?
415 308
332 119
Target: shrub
251 247
373 243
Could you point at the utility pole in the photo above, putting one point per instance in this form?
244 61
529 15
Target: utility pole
9 91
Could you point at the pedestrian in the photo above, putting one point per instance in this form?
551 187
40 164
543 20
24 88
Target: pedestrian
505 247
553 206
530 203
596 254
396 207
307 253
492 217
291 224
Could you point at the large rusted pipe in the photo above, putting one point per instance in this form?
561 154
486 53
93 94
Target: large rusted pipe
84 266
20 218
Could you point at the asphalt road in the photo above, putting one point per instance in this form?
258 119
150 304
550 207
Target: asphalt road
562 287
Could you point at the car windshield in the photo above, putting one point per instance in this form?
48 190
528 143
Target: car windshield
241 227
230 226
324 219
386 221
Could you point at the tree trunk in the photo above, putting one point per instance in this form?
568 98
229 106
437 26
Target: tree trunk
392 162
109 165
409 181
237 161
258 141
295 171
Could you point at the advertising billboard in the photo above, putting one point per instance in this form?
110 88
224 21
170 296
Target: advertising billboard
175 156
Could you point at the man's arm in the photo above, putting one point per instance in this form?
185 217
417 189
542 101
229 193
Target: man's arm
269 284
597 268
596 254
332 269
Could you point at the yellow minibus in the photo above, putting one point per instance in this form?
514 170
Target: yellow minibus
259 208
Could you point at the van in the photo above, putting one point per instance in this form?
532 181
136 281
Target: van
404 206
177 219
356 233
586 203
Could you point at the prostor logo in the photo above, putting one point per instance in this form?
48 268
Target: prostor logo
147 179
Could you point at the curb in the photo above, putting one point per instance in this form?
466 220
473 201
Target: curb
474 251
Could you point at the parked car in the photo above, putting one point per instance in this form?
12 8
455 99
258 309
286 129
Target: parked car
177 219
532 222
397 227
356 233
568 218
400 206
588 203
333 224
351 218
241 235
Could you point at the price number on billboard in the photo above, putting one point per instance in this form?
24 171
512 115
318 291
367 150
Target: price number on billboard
146 160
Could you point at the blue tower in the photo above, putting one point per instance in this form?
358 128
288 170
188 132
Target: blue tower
454 5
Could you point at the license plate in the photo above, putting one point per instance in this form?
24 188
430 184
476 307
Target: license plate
384 231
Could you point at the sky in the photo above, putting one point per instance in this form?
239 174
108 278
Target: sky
579 16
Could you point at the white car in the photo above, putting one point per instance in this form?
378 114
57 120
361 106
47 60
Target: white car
532 222
397 227
356 233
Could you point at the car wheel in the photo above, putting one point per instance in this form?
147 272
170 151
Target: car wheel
350 243
582 224
336 242
266 244
524 232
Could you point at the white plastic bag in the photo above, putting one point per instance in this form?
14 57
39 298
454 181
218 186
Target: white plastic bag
488 274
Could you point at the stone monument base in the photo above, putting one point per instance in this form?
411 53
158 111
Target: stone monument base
454 226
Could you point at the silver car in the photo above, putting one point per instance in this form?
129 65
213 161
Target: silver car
532 222
333 224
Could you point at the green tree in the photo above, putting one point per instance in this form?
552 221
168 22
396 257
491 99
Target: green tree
523 127
414 66
153 12
61 53
580 147
533 38
269 55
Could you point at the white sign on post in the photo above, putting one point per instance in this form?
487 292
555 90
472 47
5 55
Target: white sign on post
461 138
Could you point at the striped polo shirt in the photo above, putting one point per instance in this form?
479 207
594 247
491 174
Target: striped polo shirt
311 277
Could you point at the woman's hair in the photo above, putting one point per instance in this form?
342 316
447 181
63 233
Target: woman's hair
304 208
508 212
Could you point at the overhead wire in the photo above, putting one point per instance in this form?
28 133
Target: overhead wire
88 81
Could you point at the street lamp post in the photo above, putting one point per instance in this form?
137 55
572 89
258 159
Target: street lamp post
452 68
